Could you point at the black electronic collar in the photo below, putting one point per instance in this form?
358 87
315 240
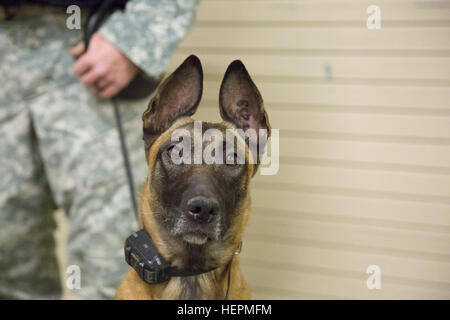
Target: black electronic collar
143 256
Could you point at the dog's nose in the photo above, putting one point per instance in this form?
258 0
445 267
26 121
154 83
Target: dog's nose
202 209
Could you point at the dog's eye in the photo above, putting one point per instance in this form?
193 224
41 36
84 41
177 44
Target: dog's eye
232 159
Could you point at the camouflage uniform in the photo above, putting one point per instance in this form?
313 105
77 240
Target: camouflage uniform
60 148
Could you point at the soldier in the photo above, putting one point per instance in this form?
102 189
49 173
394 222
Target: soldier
59 143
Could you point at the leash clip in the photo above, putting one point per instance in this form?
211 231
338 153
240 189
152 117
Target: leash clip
239 248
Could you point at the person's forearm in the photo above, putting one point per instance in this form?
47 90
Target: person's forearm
148 31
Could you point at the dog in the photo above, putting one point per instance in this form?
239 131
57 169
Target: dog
196 213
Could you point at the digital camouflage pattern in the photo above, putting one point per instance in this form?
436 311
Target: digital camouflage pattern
161 23
60 148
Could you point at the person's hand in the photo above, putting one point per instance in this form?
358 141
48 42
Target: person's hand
103 68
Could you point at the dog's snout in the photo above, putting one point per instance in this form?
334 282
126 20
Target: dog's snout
202 209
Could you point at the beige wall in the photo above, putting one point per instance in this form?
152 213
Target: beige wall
364 119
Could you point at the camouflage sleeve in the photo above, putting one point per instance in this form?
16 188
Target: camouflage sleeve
148 31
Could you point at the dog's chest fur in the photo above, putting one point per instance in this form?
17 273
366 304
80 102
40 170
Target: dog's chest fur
191 289
198 287
202 286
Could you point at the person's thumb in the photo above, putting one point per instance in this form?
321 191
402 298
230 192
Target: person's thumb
78 50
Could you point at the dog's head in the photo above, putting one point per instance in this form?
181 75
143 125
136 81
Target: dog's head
196 208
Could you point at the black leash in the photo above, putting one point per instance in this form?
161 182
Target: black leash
229 277
126 160
94 21
238 251
140 251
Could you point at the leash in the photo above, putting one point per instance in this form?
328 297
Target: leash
126 160
94 21
140 251
229 277
235 253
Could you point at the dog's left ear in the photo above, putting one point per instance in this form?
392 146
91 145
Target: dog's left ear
240 101
179 95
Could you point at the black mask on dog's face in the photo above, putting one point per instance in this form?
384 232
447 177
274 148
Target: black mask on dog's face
200 203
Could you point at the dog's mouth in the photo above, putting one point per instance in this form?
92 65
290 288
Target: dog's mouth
195 238
195 233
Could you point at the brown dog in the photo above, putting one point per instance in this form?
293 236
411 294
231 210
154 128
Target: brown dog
196 213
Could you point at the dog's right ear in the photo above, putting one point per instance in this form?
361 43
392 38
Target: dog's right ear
178 95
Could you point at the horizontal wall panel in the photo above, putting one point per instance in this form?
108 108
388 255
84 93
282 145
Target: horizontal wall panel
269 293
266 293
401 268
360 238
284 67
318 38
342 287
428 156
372 124
346 95
415 126
300 11
395 182
350 206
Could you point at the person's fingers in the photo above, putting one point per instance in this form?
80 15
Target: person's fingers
78 50
109 91
103 83
93 76
82 65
